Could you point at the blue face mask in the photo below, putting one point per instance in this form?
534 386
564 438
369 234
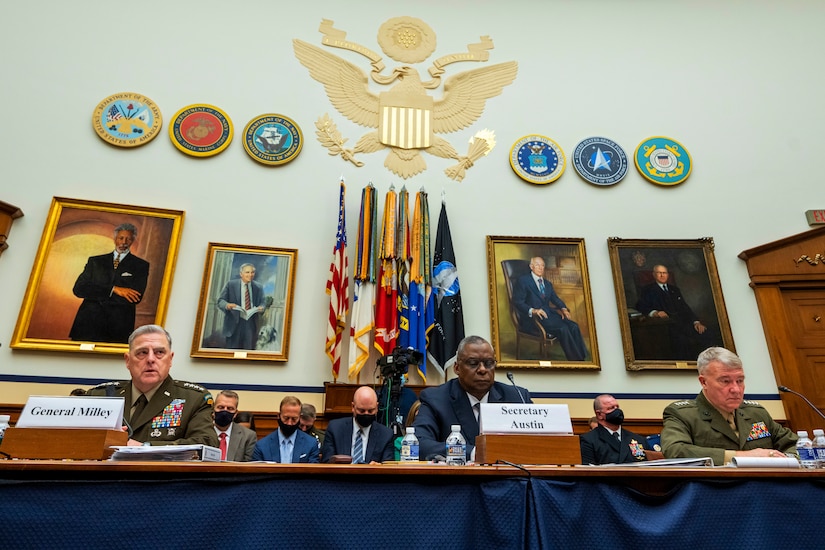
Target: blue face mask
223 418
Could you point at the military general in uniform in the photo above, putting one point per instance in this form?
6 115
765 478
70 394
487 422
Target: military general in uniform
719 423
161 410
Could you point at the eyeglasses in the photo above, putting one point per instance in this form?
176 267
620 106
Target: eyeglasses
473 364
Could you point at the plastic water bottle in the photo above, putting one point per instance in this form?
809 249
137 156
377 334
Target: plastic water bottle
409 446
819 448
4 423
456 447
805 448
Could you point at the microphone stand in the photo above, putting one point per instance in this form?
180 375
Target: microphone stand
513 382
814 407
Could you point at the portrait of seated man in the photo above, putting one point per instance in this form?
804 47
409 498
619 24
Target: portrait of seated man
661 302
535 299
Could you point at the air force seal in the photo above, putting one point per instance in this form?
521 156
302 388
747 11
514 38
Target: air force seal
663 161
537 159
600 161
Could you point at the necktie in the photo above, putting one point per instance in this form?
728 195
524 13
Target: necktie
140 404
222 445
541 286
286 451
732 423
358 449
477 410
618 436
664 287
247 303
117 261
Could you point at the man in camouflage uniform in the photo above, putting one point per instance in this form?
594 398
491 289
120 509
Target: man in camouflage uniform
719 423
161 410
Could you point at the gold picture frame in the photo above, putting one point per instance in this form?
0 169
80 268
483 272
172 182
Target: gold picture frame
77 237
520 338
221 333
652 337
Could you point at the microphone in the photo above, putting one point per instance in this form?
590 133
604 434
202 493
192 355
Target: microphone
789 390
513 382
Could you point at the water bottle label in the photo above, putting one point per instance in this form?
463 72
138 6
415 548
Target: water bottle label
409 452
456 450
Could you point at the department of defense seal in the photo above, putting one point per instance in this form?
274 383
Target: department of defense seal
600 161
127 120
272 139
537 159
201 130
663 161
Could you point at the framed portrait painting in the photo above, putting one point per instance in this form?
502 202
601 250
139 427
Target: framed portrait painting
245 307
101 270
670 301
541 308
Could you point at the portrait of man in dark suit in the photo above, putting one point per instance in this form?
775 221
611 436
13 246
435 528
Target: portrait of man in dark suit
241 301
535 298
111 285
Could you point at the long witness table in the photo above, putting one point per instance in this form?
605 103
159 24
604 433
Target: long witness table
90 504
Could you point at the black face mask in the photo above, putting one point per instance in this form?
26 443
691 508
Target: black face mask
287 429
365 420
615 417
223 418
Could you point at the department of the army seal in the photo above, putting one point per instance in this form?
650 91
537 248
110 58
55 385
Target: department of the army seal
127 120
201 130
600 161
663 161
537 159
272 139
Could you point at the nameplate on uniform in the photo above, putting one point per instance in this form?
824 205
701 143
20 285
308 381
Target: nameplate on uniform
524 418
44 411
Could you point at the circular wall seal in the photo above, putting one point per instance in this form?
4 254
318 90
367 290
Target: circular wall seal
600 161
663 161
272 139
537 159
127 120
200 130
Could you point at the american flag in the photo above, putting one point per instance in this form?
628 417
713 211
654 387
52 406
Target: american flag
338 290
113 114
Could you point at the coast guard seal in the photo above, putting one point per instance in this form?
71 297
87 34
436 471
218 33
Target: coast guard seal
600 161
537 159
663 161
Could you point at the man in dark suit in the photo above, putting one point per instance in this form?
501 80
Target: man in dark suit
161 411
344 436
454 402
111 286
609 443
236 442
532 296
688 335
238 299
287 444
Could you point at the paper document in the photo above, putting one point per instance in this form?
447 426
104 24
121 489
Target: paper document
168 453
765 462
670 462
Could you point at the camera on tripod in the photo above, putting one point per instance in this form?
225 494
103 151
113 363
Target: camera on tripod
393 368
397 363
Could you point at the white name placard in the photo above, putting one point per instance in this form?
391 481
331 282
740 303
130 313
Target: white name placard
521 418
45 411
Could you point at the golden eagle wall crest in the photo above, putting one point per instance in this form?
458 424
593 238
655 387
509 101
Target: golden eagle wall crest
406 118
